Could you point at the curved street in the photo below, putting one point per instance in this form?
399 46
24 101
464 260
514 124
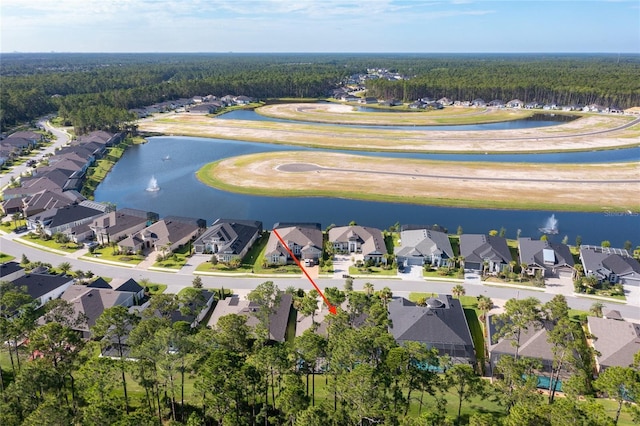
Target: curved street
184 278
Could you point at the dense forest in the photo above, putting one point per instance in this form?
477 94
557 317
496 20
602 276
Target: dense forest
79 86
352 373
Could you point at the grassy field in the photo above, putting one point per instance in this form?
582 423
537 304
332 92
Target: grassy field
107 253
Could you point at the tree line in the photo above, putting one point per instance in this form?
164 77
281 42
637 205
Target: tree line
38 84
353 373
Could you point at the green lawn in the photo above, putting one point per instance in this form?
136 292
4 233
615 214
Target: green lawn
156 288
371 270
69 247
106 253
177 260
6 257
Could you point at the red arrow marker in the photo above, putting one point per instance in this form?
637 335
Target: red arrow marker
332 309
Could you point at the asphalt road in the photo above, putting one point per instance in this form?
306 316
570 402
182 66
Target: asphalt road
179 280
61 139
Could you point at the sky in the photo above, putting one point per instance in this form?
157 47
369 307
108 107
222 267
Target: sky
367 26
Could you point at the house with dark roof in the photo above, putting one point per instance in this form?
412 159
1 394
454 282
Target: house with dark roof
47 200
533 343
90 302
479 250
610 264
515 103
424 246
165 235
277 321
547 258
44 287
64 218
359 239
10 271
615 341
117 225
229 239
119 284
303 239
441 325
195 311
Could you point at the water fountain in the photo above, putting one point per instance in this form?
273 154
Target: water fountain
153 185
551 226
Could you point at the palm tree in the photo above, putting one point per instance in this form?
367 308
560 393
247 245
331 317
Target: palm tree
16 217
64 267
485 304
368 289
523 270
596 309
458 291
385 295
485 267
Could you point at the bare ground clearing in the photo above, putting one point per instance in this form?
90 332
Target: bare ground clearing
592 132
566 186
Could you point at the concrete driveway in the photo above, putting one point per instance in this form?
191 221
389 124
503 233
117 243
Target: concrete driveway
411 273
559 285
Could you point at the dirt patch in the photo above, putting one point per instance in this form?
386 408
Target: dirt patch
589 133
575 186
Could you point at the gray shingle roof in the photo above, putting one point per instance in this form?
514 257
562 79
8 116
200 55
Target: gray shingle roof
234 305
40 284
478 247
532 253
424 242
616 341
443 327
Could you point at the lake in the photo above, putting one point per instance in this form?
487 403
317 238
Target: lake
182 194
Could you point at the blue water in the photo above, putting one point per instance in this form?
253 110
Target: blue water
182 194
538 120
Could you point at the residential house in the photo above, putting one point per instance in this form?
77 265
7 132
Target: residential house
242 100
610 264
441 325
497 103
445 101
10 271
484 253
423 246
117 225
615 341
229 239
359 239
478 103
90 303
515 103
43 287
349 98
164 235
533 343
130 286
303 239
547 258
368 100
47 200
277 321
64 219
390 102
194 311
34 138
